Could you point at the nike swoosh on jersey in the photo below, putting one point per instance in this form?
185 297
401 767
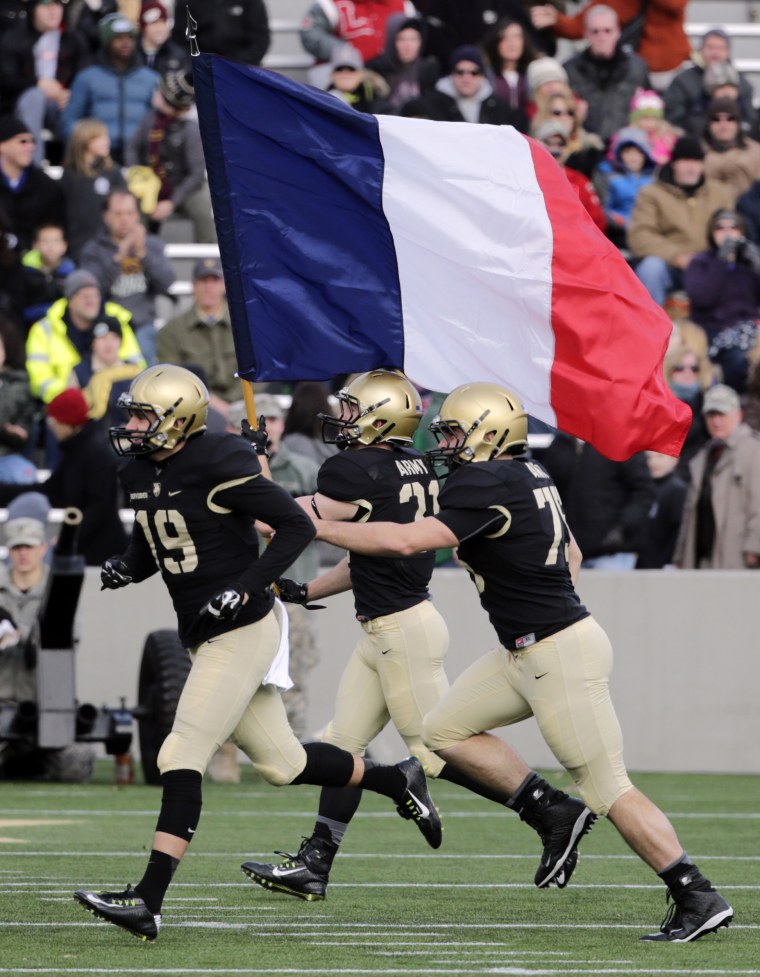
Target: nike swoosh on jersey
541 675
175 493
424 811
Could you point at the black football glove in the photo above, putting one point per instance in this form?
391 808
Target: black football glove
259 438
114 574
293 592
226 605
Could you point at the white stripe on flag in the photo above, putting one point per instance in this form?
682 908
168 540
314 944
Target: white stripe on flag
474 249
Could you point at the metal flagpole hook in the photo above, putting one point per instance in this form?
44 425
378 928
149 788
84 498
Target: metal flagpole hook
191 32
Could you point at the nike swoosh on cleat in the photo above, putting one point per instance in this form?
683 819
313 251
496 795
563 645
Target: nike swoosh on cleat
424 811
281 873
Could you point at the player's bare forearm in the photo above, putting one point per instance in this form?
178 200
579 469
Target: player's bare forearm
387 538
336 580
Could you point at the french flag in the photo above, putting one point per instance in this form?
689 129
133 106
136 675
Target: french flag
455 252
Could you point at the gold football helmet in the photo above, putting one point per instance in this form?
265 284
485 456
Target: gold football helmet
165 394
480 421
381 405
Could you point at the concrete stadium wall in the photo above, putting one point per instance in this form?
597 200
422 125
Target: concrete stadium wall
685 684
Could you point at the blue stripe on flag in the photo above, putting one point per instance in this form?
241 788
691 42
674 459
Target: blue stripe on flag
309 260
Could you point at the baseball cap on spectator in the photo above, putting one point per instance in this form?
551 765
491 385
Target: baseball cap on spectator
106 324
687 147
29 505
115 25
24 532
77 280
268 405
69 407
177 89
646 104
152 10
720 399
467 52
718 74
10 127
207 268
544 70
552 128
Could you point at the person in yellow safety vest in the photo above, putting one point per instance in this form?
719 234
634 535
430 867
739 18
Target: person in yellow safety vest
60 340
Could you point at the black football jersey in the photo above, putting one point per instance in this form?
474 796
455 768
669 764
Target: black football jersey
513 540
194 515
395 485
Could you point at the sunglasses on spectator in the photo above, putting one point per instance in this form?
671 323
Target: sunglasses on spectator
468 71
723 117
570 112
726 227
684 367
345 67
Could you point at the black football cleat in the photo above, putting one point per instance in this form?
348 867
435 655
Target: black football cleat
125 909
417 804
562 825
691 915
304 875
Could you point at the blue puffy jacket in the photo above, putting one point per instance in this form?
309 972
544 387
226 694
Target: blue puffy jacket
118 99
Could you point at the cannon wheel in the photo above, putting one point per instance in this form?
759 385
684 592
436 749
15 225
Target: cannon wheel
164 667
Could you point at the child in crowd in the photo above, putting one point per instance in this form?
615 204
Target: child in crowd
45 268
648 114
102 375
633 169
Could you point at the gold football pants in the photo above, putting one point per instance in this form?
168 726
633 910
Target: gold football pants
395 673
223 697
564 682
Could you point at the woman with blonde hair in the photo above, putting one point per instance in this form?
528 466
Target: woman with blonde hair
584 150
89 175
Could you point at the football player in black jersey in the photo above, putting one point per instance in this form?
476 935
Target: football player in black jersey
396 671
196 497
504 514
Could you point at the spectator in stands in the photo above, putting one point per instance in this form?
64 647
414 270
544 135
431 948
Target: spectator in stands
17 409
202 336
23 581
28 197
689 373
116 89
732 157
236 29
59 341
721 80
352 83
130 265
85 477
406 70
664 517
604 74
303 427
545 78
554 136
103 375
329 27
633 169
508 53
156 48
39 58
464 95
662 41
168 141
686 99
723 285
46 267
86 16
748 205
584 150
721 520
606 502
453 23
648 114
89 176
670 219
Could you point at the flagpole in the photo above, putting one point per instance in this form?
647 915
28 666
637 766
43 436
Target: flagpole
250 410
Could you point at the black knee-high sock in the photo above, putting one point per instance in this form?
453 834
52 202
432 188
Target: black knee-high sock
389 781
326 766
337 805
158 875
456 776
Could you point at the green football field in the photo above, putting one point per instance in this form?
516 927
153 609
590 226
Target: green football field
393 905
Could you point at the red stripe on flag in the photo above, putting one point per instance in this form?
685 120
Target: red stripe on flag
608 387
